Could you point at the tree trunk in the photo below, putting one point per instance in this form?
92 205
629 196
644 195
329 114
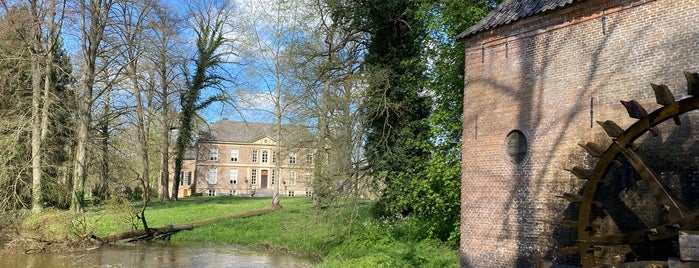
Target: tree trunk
80 168
37 203
180 147
319 178
165 146
141 130
277 148
165 160
40 103
104 174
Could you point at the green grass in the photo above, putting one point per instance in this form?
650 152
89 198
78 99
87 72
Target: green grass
342 235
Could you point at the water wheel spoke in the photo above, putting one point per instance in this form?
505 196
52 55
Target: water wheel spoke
664 231
675 210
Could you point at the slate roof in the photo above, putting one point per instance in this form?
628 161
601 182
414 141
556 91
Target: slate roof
247 132
512 10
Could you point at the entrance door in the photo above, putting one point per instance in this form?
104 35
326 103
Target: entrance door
263 179
185 193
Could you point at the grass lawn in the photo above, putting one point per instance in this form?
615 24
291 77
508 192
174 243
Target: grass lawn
343 235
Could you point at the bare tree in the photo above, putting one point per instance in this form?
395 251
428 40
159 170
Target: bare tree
94 16
331 59
274 30
164 57
132 19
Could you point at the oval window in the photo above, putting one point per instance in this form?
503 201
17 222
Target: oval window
516 146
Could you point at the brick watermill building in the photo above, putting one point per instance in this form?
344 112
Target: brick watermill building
557 170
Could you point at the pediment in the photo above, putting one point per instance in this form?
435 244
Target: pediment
266 140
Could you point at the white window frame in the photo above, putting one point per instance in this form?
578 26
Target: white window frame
213 154
254 156
292 158
213 176
234 176
265 156
292 177
234 155
186 177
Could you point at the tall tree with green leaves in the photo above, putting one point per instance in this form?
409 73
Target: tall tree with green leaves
396 107
415 77
211 22
435 196
16 89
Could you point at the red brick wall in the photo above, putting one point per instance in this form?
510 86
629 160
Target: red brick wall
550 76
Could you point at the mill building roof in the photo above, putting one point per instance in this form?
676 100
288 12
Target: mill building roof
512 10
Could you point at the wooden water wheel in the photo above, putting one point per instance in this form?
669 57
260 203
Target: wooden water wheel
592 239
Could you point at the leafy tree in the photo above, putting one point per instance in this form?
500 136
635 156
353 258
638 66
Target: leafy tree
16 89
436 194
414 109
396 108
35 73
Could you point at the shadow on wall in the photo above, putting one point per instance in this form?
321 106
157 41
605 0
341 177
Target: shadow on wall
621 205
533 181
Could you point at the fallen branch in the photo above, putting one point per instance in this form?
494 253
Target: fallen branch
151 234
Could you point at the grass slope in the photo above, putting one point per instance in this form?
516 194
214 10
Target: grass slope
343 235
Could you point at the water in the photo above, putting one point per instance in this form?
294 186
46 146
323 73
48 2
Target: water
157 255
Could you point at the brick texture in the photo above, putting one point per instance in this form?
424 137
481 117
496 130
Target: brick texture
551 76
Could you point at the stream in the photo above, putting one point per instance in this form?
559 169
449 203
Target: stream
158 255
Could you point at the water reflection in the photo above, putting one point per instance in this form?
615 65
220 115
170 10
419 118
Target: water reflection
157 255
